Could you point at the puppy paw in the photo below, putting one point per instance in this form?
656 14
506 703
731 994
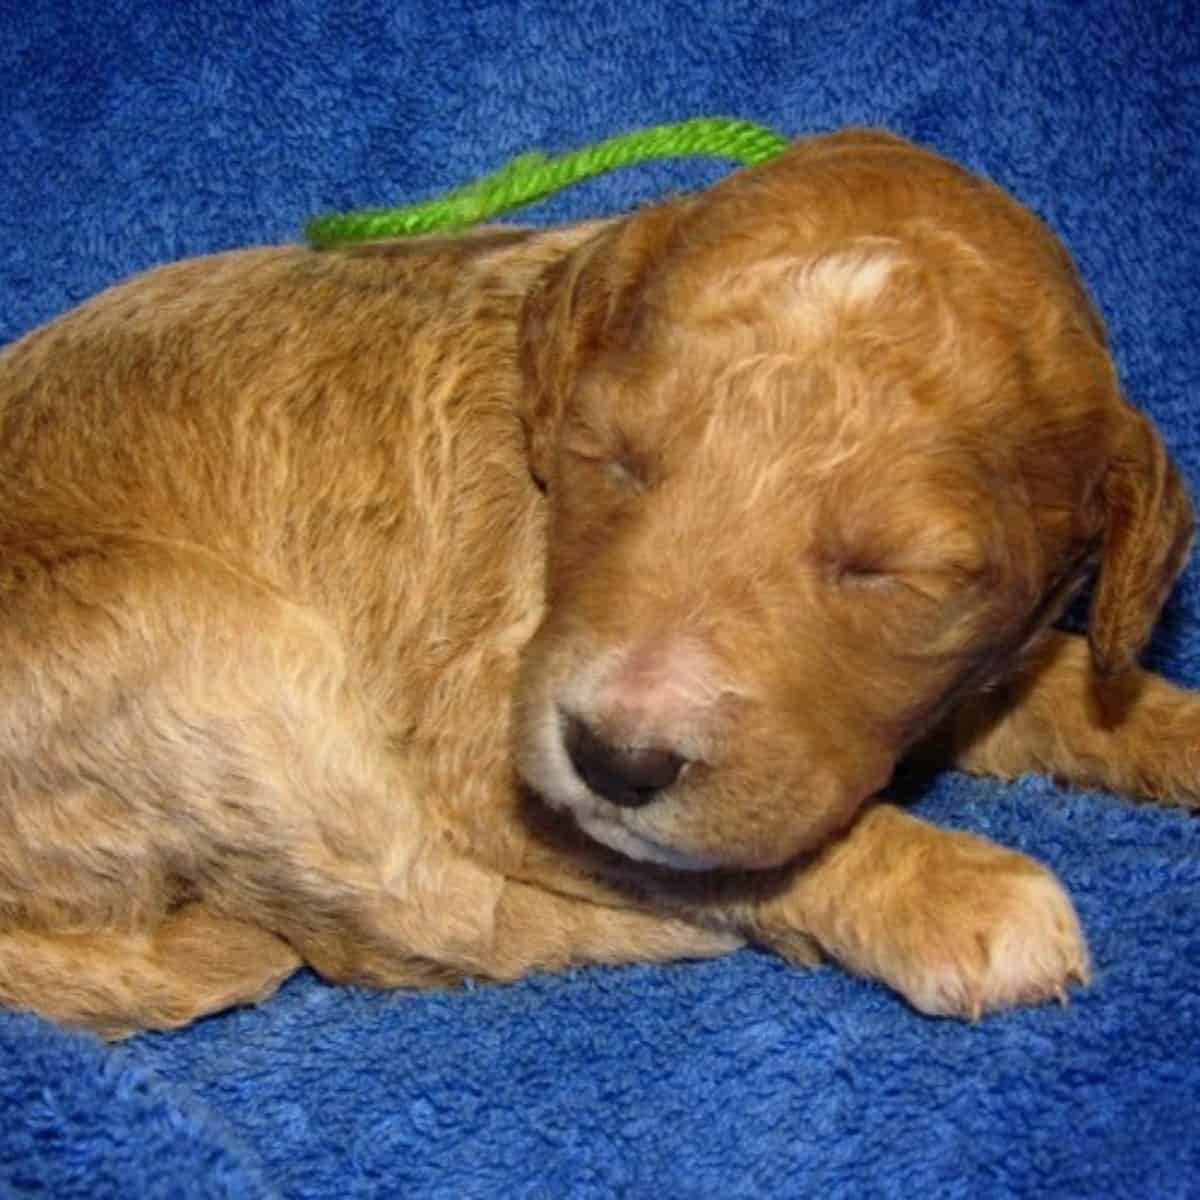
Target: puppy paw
985 939
956 924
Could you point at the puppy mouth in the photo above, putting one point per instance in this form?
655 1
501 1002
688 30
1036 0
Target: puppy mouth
610 831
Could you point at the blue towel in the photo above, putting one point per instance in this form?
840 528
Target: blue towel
135 131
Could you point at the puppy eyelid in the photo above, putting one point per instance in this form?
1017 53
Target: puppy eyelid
930 586
625 473
611 451
860 575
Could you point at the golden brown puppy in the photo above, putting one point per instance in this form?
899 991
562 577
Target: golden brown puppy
471 606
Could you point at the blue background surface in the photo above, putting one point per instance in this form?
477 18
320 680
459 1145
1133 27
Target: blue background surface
136 131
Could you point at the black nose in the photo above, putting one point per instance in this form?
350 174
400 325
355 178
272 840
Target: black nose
625 775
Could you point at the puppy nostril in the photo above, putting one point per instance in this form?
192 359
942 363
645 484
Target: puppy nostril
627 776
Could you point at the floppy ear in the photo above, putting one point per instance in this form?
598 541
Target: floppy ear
562 320
581 304
1147 534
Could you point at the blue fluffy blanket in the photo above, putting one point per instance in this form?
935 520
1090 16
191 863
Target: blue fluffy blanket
136 131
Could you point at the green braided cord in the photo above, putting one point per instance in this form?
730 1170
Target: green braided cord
534 176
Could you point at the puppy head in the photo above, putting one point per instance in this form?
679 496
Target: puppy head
810 480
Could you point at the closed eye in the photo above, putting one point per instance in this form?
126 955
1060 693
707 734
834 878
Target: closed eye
614 456
853 568
934 586
624 472
858 575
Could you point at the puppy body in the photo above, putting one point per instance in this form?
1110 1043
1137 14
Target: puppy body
469 606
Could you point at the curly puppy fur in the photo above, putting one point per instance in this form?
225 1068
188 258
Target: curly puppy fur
464 607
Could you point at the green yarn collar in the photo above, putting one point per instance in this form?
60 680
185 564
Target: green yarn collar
534 176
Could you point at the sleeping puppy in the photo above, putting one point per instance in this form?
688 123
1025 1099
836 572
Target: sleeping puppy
466 607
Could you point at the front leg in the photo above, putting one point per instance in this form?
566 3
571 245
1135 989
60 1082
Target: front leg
538 929
956 924
456 918
1136 733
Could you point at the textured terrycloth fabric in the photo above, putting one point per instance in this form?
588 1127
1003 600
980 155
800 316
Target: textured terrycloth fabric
136 131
